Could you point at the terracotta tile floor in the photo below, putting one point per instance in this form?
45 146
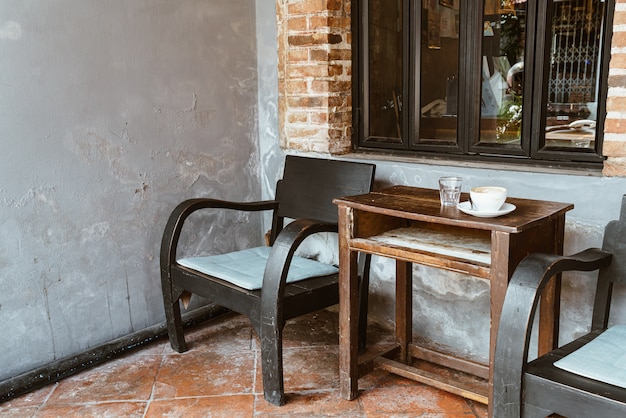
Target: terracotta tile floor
220 377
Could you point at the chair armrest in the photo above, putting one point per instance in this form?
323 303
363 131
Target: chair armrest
518 312
177 218
285 246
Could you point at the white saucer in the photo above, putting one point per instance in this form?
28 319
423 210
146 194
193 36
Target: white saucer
466 207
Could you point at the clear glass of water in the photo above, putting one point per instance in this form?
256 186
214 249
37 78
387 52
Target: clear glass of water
450 190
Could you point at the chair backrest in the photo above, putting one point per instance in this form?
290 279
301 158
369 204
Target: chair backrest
309 186
615 243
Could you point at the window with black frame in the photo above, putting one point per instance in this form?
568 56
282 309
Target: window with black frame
521 80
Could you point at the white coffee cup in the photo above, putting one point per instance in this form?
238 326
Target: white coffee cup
487 198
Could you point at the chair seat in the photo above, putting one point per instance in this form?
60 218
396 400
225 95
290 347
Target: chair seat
602 359
245 268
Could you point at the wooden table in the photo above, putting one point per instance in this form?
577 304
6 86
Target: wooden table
409 225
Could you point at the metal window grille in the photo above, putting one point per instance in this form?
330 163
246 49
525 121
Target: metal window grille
576 32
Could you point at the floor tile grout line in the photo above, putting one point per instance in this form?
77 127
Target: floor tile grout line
98 402
47 398
155 380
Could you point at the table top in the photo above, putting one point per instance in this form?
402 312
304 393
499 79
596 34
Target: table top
422 204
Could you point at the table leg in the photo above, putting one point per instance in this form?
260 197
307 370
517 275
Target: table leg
348 311
404 308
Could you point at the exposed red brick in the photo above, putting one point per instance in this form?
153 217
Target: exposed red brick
336 133
318 22
314 39
614 168
302 40
334 5
315 67
617 80
296 87
618 60
303 71
318 86
298 55
337 102
619 18
340 22
340 118
298 117
341 145
614 148
297 24
340 55
619 39
335 70
309 144
616 104
335 38
306 7
615 126
307 102
319 117
319 54
339 86
303 131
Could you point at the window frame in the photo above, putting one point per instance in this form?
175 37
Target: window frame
529 152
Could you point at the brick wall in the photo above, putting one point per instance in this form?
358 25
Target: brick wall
614 146
314 75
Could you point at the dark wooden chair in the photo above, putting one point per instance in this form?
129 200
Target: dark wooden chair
584 378
270 284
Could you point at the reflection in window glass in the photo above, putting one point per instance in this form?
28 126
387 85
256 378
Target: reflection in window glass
523 80
437 70
574 66
385 70
502 85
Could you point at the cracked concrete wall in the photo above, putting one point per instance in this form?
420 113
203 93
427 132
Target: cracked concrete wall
112 112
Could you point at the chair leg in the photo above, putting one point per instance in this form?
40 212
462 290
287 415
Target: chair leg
272 363
173 319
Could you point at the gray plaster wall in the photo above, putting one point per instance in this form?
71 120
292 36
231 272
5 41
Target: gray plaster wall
112 112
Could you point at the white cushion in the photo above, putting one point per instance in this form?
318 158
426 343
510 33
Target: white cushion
603 359
245 268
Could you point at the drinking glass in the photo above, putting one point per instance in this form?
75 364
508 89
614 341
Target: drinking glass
450 190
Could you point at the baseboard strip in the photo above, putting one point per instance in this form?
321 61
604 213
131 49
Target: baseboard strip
57 370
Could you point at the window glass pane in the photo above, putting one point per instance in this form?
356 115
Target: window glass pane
539 65
385 85
574 66
502 85
437 71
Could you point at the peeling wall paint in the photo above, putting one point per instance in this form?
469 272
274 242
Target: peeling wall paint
112 112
